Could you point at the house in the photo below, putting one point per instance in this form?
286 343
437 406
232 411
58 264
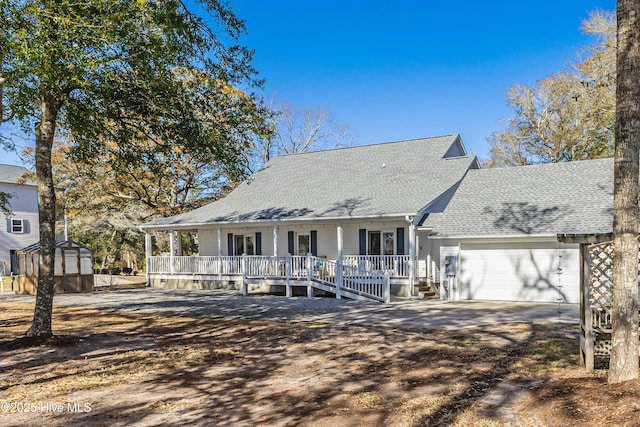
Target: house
20 226
367 221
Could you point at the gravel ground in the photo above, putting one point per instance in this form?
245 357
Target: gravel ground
402 313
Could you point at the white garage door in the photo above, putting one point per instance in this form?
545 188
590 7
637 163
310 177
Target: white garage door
519 272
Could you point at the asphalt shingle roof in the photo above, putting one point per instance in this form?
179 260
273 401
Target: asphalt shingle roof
13 174
388 179
571 198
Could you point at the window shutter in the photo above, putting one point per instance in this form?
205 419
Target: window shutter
363 241
258 243
290 241
400 241
314 243
229 244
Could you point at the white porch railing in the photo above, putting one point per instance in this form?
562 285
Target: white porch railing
158 264
261 265
362 275
368 283
395 265
213 265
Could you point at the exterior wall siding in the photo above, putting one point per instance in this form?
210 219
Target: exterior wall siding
208 242
327 237
23 205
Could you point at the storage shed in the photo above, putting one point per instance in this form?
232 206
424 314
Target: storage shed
73 270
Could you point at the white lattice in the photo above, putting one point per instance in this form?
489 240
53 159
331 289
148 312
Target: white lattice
601 281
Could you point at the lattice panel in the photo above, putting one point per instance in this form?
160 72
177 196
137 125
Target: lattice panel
601 281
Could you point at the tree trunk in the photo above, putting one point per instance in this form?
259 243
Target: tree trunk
624 352
45 130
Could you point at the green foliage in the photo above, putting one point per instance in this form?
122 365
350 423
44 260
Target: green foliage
569 115
133 84
131 71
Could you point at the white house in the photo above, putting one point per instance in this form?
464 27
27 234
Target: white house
20 227
365 221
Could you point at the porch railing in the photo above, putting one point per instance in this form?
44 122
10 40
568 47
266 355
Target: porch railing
195 265
262 265
395 265
363 275
370 284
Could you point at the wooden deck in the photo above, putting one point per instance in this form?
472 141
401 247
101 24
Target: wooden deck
358 277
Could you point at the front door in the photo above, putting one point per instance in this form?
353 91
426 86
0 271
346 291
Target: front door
381 243
244 244
374 245
304 244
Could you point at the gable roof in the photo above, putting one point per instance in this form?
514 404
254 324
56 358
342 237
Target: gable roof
568 198
382 180
12 174
35 247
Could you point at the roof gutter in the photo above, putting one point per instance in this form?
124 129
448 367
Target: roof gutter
494 236
143 227
584 238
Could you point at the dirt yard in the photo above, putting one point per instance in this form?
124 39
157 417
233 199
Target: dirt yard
106 369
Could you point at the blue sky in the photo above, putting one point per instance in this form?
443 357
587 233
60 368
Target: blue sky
409 69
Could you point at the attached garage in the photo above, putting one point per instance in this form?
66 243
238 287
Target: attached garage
518 271
501 229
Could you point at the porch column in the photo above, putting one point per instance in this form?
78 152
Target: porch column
172 249
219 252
178 243
412 258
275 240
587 356
276 267
339 262
147 254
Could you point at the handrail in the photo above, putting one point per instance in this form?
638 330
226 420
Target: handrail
370 280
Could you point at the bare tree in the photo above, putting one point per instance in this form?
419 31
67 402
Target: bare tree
569 115
624 352
297 131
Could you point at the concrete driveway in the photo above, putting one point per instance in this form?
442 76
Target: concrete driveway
403 314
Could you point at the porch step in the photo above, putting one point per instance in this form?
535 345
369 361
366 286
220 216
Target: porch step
429 290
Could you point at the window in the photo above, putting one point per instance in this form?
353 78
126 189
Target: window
243 244
381 243
17 226
304 244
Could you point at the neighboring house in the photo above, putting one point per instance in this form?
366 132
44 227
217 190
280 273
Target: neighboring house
20 227
394 215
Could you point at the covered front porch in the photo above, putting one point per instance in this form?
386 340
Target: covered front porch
387 263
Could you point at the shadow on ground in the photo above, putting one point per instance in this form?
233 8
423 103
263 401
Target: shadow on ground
150 370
